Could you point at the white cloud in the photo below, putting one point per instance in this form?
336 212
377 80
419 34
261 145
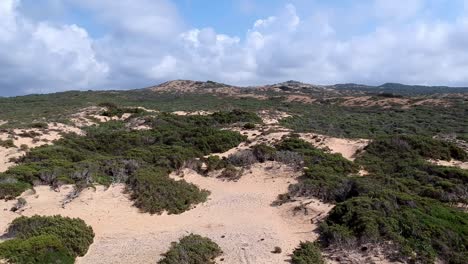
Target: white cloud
147 42
398 9
39 57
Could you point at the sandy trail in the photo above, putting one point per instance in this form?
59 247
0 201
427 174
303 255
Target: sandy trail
238 216
452 163
346 147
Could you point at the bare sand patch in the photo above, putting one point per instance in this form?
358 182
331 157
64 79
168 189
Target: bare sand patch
200 112
39 137
272 117
452 163
346 147
238 216
300 99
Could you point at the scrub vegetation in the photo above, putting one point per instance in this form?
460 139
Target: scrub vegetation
46 239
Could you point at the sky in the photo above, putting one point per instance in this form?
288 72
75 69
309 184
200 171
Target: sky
56 45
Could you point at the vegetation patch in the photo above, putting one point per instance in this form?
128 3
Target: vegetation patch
143 160
307 253
404 199
192 249
46 239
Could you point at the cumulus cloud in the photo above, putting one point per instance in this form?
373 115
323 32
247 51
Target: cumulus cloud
146 42
39 57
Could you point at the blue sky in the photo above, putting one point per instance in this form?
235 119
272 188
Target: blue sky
56 45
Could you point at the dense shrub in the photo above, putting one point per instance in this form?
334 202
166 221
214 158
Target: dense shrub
400 201
7 143
111 153
418 225
46 239
39 249
235 116
154 192
192 249
74 234
307 253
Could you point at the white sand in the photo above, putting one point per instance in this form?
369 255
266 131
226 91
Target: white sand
237 216
452 163
346 147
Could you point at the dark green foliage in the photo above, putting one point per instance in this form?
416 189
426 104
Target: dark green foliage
11 188
41 125
401 160
46 239
7 143
263 152
154 192
416 224
236 116
373 122
402 200
326 175
249 126
111 152
307 253
39 249
192 249
73 233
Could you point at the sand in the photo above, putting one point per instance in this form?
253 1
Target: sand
238 216
44 137
452 163
272 117
348 148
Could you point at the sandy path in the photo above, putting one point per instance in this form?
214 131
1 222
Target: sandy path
452 163
237 216
346 147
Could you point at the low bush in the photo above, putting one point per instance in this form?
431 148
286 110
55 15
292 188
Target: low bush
154 192
192 249
39 249
307 253
73 233
46 239
7 143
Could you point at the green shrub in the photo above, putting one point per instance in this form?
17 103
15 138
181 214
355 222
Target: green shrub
46 239
249 126
154 192
7 143
307 253
192 249
10 190
38 249
73 233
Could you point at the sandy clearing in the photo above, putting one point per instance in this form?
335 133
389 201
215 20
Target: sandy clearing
452 163
300 99
201 112
44 137
237 216
346 147
272 117
255 137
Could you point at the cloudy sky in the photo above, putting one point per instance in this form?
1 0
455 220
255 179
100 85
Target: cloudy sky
55 45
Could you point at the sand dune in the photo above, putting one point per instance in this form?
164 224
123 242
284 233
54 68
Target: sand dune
238 216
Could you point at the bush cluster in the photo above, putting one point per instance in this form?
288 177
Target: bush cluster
111 153
405 199
46 239
307 253
192 249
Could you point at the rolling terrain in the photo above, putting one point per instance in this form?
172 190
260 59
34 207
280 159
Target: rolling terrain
281 173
